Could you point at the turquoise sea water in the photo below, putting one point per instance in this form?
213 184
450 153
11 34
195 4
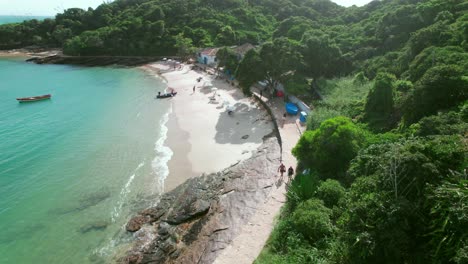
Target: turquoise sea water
16 19
74 168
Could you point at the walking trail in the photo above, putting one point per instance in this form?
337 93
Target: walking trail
249 243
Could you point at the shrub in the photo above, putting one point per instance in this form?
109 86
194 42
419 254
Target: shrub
403 86
330 148
312 219
331 192
440 88
441 124
380 101
449 221
303 187
360 79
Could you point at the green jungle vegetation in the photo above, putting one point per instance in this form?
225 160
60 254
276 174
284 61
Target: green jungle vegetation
383 163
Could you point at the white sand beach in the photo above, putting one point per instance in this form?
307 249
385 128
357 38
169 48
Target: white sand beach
203 137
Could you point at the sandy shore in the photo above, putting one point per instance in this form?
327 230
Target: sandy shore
203 137
206 139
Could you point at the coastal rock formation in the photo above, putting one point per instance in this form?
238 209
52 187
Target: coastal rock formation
92 61
197 220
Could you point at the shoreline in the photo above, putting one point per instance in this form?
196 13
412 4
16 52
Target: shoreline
221 175
247 221
29 53
203 137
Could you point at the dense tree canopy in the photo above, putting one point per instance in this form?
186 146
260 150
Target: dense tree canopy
330 148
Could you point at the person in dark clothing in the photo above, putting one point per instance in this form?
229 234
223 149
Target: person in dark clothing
290 172
282 169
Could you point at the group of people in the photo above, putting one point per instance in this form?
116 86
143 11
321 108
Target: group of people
282 169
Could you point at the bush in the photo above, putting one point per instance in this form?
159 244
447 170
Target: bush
380 101
360 79
449 221
312 219
279 236
441 124
331 192
302 188
330 148
440 88
403 86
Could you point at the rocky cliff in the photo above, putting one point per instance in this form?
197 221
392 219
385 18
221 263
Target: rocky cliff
197 220
91 61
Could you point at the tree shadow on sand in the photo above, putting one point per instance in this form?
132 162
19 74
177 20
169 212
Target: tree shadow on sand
242 126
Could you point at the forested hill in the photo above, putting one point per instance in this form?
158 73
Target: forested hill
149 27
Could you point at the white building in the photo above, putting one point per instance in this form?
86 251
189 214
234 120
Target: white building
207 56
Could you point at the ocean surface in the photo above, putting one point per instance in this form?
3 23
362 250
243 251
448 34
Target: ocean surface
16 19
74 168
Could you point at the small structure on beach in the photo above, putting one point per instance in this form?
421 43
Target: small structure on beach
207 56
242 50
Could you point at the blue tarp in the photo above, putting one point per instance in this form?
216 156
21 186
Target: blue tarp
291 109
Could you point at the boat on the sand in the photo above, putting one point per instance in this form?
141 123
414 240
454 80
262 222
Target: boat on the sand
166 95
34 98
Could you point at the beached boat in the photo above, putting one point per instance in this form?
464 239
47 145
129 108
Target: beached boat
166 95
34 98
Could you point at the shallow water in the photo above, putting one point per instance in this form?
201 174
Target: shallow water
73 168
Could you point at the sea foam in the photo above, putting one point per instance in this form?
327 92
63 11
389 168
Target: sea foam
163 155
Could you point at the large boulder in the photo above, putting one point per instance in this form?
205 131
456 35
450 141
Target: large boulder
194 222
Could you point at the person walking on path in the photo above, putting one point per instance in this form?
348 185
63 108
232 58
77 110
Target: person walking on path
290 173
194 89
283 120
282 169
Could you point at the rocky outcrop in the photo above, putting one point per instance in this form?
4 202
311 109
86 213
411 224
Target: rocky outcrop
91 61
197 220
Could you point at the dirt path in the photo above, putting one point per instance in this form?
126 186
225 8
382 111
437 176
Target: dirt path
247 246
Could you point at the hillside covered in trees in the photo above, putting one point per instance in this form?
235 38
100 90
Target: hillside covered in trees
383 166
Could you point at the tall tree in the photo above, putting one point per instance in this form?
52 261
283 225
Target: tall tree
440 88
321 54
184 46
280 60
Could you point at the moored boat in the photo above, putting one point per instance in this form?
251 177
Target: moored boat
34 98
166 95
